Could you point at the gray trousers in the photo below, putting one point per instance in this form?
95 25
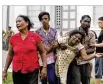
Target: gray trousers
98 67
78 74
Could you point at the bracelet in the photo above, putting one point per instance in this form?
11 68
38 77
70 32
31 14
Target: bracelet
44 67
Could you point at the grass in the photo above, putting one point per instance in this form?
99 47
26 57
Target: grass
9 79
93 81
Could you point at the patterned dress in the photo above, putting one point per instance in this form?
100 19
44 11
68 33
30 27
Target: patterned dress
64 58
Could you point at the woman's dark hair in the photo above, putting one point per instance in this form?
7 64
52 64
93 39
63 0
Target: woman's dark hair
84 16
76 31
26 18
42 14
100 18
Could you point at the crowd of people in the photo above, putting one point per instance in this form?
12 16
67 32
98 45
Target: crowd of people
64 60
6 36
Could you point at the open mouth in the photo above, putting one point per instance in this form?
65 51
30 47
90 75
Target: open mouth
18 26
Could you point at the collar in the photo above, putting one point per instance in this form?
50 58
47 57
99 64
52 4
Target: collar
44 29
30 33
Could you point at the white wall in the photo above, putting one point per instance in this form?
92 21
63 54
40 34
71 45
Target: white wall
4 17
14 12
84 10
87 10
51 10
17 10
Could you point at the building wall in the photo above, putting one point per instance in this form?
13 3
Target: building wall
84 10
33 12
93 11
4 17
14 11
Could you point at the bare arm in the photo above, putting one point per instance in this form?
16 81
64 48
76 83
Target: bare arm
44 59
42 53
99 45
9 58
85 56
91 48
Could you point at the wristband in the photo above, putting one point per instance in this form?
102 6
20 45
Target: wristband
44 67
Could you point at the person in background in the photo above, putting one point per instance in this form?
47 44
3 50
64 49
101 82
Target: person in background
99 49
9 33
4 45
49 38
23 53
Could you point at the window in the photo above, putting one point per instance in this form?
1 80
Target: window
33 12
97 13
58 16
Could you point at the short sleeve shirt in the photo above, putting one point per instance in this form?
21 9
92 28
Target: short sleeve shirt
25 52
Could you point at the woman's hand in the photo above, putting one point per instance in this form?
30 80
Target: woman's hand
4 76
62 46
43 73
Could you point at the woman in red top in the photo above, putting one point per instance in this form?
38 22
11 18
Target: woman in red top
23 53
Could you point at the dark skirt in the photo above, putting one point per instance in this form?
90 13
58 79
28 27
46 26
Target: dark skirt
28 78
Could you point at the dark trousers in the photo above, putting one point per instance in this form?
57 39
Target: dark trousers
51 76
29 78
78 74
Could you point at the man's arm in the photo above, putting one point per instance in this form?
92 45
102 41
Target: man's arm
99 45
91 48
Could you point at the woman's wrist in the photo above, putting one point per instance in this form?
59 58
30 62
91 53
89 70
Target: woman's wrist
5 71
44 66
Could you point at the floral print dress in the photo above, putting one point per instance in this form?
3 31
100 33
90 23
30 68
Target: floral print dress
64 58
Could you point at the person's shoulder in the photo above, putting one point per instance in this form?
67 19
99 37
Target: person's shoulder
14 36
38 30
54 29
91 33
35 34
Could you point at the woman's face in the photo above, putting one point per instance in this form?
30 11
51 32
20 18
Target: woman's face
21 24
75 39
